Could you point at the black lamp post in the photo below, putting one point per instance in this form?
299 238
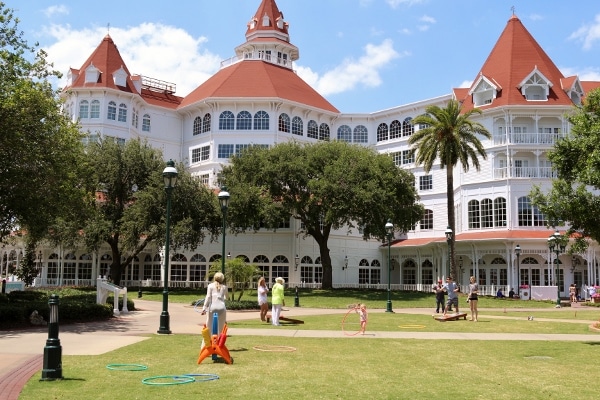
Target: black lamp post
224 201
389 229
52 368
448 232
296 262
170 178
518 253
556 245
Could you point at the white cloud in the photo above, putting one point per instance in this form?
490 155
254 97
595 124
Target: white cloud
350 73
397 3
536 17
427 19
584 74
56 10
152 50
588 33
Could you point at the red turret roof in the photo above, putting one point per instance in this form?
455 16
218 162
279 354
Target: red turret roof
515 55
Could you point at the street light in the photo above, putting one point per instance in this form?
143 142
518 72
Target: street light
389 229
518 253
296 262
448 232
556 245
170 179
224 201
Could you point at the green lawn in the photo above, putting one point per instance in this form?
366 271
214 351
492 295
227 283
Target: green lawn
353 367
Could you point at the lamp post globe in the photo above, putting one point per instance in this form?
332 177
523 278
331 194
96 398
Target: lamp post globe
389 230
224 202
170 180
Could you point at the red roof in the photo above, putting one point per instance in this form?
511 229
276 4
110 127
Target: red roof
270 9
256 79
477 236
515 55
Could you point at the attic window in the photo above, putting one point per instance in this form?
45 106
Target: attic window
120 77
92 74
266 21
280 23
535 87
484 92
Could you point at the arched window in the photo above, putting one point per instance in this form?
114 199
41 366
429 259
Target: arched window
395 129
112 111
198 268
178 268
197 126
227 121
474 216
95 109
206 121
262 263
297 126
261 121
324 132
487 213
85 267
500 212
122 112
312 130
382 132
84 109
146 123
409 273
284 123
344 134
361 134
498 261
244 121
407 127
529 215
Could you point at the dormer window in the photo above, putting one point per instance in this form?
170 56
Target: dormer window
484 91
266 21
573 89
280 23
252 23
535 87
92 74
120 77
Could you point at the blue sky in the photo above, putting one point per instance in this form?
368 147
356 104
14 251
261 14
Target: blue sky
362 55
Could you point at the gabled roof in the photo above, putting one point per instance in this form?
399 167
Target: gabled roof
107 59
514 57
257 79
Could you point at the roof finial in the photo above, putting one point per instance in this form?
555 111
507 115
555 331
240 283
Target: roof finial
108 28
513 10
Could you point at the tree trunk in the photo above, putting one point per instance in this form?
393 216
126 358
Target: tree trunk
327 282
451 216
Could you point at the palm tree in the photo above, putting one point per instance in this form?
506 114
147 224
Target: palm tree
452 137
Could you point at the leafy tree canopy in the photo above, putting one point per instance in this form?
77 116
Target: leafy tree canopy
39 147
574 196
325 185
130 207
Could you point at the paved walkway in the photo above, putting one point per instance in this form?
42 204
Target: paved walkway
21 351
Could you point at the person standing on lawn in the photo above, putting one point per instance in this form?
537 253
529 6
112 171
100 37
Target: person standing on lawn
452 289
277 300
473 290
440 296
263 290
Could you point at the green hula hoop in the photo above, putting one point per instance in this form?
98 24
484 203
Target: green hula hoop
127 367
176 380
199 377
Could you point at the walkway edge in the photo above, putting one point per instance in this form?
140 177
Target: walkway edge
13 382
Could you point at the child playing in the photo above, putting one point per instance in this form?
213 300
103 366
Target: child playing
362 314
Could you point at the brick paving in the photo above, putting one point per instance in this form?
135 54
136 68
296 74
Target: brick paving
13 381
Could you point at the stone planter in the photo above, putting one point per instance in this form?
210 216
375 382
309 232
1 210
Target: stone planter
524 293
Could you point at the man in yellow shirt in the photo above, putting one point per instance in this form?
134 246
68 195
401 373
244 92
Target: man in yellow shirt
277 300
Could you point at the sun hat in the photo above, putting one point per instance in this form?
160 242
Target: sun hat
280 280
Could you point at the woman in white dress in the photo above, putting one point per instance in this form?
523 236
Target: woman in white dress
263 291
216 294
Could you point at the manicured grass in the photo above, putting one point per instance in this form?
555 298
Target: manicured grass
349 368
341 298
352 367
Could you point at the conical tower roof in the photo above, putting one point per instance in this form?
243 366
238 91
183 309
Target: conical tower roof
262 69
515 56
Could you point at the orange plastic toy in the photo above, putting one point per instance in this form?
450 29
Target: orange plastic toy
215 345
